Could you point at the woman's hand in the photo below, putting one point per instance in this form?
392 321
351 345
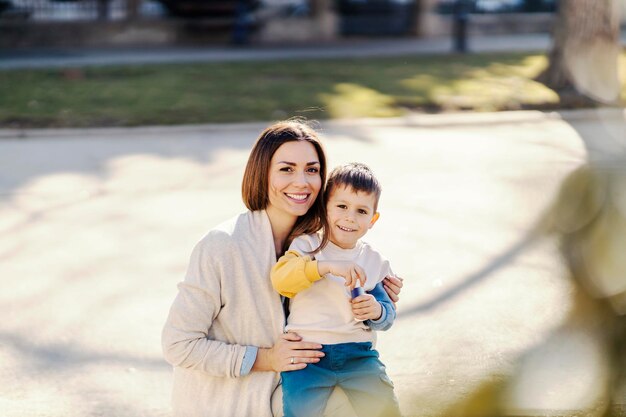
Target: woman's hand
365 307
393 286
288 354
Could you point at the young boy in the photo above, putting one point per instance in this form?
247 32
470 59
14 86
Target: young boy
322 308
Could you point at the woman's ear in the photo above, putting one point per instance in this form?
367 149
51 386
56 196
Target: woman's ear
374 219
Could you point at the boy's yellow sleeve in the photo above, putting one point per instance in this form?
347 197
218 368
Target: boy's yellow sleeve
294 273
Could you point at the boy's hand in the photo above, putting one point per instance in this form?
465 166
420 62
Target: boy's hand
365 307
350 271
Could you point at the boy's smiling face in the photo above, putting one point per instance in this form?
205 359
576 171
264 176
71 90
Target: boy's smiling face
350 215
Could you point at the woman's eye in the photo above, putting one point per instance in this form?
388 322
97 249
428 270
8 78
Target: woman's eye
286 169
313 170
342 206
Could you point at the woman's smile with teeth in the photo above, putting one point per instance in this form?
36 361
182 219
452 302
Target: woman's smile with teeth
299 197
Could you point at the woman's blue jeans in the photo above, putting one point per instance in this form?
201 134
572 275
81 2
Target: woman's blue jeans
354 367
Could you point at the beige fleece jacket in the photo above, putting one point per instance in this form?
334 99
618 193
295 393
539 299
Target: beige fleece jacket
225 303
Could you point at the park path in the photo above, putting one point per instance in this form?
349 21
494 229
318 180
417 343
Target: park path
348 48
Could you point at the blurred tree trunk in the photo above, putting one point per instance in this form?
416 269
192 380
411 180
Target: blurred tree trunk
583 62
318 7
132 9
422 12
323 11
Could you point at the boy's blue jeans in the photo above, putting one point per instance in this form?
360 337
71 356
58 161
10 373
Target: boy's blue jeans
352 366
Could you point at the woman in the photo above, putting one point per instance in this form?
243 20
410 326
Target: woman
224 333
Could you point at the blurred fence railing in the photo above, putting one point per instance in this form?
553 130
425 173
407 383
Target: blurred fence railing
79 10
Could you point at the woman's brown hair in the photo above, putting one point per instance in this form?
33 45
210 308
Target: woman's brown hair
255 184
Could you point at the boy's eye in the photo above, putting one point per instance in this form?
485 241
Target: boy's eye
361 211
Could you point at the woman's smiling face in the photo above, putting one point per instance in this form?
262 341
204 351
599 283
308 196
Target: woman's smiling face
294 178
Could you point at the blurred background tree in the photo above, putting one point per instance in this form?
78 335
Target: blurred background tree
583 61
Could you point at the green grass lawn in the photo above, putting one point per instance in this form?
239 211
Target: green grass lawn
252 91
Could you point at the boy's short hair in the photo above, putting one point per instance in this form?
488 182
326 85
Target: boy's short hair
355 175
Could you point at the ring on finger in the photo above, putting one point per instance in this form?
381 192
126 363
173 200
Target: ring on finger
293 360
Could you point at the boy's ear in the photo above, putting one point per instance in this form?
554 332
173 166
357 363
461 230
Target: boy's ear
374 219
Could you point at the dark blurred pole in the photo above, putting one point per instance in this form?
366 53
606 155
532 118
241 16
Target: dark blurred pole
103 9
533 5
460 17
5 5
241 27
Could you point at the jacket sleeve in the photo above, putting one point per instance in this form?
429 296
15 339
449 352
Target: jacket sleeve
389 312
185 337
294 273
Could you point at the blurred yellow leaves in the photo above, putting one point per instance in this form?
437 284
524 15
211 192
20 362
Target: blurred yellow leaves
352 100
490 88
590 213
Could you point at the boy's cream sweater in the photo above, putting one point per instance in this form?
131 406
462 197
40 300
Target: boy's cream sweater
320 308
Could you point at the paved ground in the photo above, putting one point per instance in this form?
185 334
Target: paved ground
97 226
12 59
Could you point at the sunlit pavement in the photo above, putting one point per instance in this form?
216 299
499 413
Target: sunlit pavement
97 225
